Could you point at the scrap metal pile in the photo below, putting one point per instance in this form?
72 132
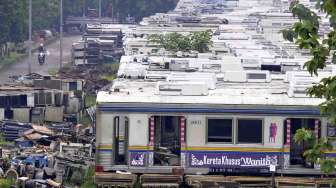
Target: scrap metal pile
45 155
101 43
45 99
91 75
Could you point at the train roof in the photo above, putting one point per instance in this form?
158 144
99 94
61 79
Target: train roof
259 67
142 91
145 79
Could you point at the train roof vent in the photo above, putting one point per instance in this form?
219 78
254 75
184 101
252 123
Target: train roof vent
182 88
235 76
298 86
209 78
231 67
251 63
156 75
178 65
294 75
117 86
258 76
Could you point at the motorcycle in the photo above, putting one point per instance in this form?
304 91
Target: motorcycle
41 58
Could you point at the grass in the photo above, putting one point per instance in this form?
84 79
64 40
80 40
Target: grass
3 142
13 57
113 67
85 179
109 77
85 120
90 100
53 71
89 179
6 183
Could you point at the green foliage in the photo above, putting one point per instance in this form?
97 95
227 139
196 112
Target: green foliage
90 100
305 34
3 141
76 177
110 72
316 149
6 183
89 179
53 71
45 14
13 57
304 135
198 41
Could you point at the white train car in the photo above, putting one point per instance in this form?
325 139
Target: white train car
145 128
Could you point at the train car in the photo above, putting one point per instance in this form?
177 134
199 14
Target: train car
145 126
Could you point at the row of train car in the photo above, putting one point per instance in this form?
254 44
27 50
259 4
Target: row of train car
142 133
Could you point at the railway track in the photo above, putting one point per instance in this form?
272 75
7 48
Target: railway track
109 180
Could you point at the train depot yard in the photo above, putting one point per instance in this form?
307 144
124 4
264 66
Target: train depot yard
131 110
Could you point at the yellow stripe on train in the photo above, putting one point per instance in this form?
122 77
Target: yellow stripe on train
102 147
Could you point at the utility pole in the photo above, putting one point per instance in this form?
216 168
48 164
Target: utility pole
30 37
100 8
61 33
84 8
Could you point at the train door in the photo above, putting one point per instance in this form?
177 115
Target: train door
297 149
167 145
120 140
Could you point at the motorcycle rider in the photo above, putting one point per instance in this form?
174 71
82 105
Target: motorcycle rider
41 50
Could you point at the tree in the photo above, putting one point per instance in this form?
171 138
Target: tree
305 33
45 14
198 41
6 20
201 41
18 26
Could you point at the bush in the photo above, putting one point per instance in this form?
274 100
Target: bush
6 183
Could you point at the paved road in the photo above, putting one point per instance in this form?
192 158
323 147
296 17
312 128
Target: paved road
52 61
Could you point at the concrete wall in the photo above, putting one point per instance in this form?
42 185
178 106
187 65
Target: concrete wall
21 114
54 114
30 100
73 106
2 114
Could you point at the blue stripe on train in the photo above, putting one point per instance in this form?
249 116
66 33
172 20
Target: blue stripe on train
270 111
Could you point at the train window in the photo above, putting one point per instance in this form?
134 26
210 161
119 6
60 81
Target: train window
250 131
220 130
